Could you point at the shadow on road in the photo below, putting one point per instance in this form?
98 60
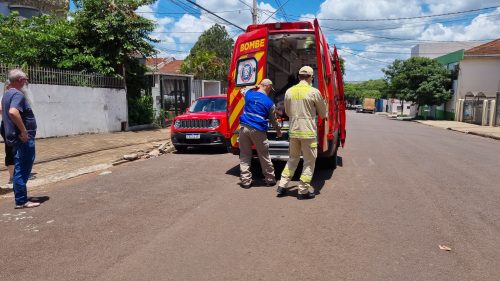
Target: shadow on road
38 199
203 150
321 174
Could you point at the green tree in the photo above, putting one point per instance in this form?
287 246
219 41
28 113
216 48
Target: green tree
420 80
368 89
110 29
204 65
342 65
351 92
213 50
42 41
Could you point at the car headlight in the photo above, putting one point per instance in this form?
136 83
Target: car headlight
215 123
177 123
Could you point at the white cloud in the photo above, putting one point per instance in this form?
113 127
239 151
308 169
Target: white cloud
374 47
159 33
448 6
193 26
307 17
484 26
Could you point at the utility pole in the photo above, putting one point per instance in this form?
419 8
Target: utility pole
254 12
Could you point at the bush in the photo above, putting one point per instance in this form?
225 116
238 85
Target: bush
140 110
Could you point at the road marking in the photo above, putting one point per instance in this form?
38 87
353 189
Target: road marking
371 162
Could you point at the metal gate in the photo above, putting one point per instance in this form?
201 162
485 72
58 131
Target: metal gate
175 94
468 113
473 108
497 121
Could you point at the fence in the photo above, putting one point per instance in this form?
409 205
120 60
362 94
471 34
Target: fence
49 76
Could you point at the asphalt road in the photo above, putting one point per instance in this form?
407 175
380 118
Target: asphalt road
403 189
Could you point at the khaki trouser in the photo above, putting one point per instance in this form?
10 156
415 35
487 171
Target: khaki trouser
247 137
308 147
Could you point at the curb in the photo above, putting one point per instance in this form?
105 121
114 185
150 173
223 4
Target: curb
479 134
6 190
463 132
58 177
56 158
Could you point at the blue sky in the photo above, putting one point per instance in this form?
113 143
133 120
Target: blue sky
367 44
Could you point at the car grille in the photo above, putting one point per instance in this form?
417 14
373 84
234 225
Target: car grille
196 123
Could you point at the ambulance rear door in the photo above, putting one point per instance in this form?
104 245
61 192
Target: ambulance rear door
323 84
341 101
248 68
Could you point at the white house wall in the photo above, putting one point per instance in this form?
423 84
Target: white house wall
479 75
68 110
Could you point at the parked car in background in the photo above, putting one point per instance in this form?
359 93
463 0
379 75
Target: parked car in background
203 124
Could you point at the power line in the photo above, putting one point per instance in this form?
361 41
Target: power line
246 4
278 2
382 52
210 12
401 39
407 18
406 25
276 11
179 13
379 61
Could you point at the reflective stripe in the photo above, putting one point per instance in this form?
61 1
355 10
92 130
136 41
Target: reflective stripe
299 91
255 115
314 145
300 134
306 179
286 171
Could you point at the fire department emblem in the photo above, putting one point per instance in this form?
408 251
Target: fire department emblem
246 73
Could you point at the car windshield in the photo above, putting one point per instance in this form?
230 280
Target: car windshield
209 105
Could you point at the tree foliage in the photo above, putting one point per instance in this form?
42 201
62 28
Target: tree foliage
210 56
101 36
342 65
368 89
113 31
205 65
420 80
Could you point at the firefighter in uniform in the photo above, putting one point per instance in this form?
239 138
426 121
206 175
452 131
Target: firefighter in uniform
258 111
302 105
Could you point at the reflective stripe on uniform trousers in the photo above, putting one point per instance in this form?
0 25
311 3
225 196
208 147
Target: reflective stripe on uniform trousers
302 134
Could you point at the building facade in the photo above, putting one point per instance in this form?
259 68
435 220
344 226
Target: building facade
30 8
434 50
478 86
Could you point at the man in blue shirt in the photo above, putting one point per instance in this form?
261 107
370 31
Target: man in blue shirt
259 110
20 130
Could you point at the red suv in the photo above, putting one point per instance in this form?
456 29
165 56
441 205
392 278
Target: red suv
203 124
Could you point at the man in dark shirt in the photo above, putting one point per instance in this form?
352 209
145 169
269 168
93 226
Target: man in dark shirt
20 131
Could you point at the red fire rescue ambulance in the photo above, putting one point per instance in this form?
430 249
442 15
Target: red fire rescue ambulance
277 51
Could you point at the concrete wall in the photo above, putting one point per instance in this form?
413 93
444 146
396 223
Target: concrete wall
409 109
434 50
479 75
68 110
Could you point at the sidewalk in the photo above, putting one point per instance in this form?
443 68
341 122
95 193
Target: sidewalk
66 157
484 131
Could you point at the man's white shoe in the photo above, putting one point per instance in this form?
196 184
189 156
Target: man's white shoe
27 205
